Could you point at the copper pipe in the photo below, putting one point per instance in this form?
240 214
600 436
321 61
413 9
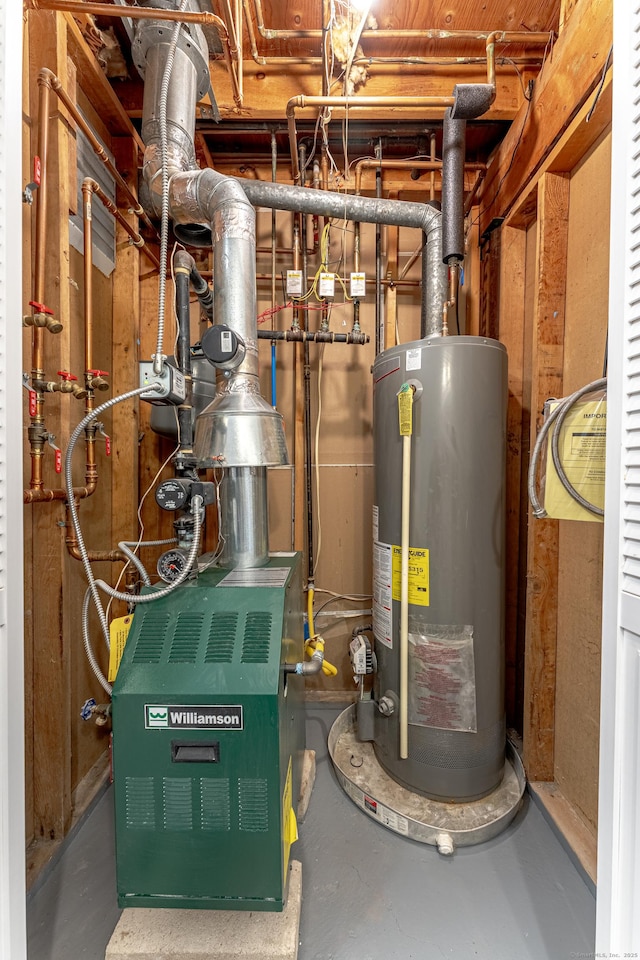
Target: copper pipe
301 102
47 77
87 220
106 201
521 36
49 496
473 192
95 556
234 42
432 177
41 216
135 13
369 163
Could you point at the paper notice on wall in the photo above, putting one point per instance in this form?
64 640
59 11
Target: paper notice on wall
442 683
382 606
582 448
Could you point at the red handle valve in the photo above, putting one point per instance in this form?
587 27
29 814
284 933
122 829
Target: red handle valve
41 307
98 381
57 452
66 376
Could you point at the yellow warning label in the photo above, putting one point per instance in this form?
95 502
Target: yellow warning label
118 633
582 450
289 822
418 575
405 410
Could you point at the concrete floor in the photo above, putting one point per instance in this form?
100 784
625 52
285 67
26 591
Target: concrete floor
368 893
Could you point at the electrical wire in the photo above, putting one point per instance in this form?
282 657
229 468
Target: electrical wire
136 545
600 86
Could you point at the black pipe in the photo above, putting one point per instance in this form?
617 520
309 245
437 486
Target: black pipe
203 291
184 459
307 394
379 305
453 149
295 335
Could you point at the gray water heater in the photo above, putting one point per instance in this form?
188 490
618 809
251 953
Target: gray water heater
456 721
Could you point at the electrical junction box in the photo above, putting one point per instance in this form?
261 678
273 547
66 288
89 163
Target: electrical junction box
358 286
294 283
174 388
327 285
208 742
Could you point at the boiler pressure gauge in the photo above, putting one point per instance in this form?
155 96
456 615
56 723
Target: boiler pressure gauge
171 564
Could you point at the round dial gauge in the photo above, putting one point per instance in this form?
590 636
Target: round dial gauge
171 564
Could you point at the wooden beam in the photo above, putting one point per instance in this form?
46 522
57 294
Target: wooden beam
52 632
569 77
93 81
511 331
542 563
124 375
268 88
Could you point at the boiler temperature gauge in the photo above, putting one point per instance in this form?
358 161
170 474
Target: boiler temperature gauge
171 564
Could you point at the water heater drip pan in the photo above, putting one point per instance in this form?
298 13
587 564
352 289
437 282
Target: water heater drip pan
445 825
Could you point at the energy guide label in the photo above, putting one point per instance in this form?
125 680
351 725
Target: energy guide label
382 577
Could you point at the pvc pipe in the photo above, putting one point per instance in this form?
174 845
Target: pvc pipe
404 597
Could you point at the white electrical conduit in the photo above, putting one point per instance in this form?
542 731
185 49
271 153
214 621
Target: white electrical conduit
164 210
404 597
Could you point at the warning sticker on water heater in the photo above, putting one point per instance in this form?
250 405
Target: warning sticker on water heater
382 608
418 575
442 684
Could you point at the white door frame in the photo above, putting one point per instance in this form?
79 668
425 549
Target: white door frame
12 820
618 896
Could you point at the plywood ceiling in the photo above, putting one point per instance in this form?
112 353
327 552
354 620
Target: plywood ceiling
409 49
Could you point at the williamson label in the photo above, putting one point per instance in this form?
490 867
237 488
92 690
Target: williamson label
190 717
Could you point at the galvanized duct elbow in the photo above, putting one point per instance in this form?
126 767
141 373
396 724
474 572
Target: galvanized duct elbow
192 195
239 428
189 83
281 196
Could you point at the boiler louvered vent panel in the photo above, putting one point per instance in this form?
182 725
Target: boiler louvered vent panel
186 638
631 394
253 805
222 637
257 634
177 803
215 809
151 637
140 807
